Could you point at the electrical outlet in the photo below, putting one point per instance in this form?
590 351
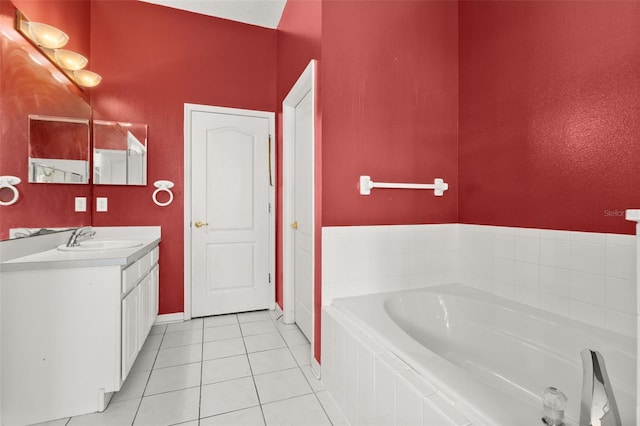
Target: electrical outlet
101 204
81 204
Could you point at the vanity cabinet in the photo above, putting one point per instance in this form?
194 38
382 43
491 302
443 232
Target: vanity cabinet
70 333
139 306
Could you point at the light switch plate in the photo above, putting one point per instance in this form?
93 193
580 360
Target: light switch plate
101 204
81 204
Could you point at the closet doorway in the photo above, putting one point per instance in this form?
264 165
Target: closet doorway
229 217
299 205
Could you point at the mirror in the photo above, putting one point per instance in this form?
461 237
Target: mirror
58 149
119 153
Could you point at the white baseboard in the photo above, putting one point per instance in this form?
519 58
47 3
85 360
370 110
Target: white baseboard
166 318
315 368
278 311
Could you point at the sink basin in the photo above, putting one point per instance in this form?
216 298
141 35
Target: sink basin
101 245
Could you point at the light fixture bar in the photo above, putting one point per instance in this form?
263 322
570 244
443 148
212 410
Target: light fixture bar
49 40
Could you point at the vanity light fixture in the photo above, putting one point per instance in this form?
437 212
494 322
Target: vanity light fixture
86 78
46 35
49 41
70 60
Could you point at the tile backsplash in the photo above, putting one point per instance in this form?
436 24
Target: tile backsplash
590 277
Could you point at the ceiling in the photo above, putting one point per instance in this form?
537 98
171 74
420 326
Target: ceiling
264 13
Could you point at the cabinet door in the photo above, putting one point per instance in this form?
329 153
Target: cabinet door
145 303
155 293
130 330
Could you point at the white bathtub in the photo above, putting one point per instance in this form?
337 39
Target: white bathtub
489 356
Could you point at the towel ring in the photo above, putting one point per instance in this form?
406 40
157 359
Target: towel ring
9 182
163 186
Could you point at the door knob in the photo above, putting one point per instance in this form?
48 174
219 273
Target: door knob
200 224
294 225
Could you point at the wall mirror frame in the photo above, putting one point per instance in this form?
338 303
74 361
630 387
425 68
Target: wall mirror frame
59 149
119 153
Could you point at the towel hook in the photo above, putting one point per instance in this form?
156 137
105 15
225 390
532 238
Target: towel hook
9 182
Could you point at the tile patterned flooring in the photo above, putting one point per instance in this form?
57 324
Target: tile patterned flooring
237 369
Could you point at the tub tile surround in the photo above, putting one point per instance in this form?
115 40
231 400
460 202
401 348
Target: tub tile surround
590 277
360 260
634 215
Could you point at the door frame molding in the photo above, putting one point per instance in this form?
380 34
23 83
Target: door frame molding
188 110
304 85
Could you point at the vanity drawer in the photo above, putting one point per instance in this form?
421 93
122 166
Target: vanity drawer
130 277
145 264
155 255
132 274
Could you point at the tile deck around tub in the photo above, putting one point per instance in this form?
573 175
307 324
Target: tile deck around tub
238 369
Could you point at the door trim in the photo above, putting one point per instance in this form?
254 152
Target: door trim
188 110
304 85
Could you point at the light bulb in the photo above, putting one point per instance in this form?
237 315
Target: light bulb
87 78
70 60
47 36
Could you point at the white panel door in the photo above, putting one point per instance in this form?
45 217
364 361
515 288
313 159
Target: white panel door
230 213
303 214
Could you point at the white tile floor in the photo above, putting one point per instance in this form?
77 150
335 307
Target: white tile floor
238 369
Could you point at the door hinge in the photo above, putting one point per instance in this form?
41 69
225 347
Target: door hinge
269 277
269 207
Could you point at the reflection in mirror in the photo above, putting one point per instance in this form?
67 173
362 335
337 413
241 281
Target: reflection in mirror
34 232
119 153
58 149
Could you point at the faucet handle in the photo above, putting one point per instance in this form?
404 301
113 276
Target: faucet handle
554 402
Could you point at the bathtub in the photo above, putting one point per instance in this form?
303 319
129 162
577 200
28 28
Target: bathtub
489 358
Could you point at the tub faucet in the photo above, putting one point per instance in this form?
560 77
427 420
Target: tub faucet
80 234
598 406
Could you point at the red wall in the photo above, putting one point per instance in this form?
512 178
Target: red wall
299 41
550 114
385 99
153 60
29 88
389 79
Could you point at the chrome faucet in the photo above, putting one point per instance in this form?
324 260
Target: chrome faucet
598 406
80 234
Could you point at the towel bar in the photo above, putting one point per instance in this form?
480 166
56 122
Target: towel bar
438 186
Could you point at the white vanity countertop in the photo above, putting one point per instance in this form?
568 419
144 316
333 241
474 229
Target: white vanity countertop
52 258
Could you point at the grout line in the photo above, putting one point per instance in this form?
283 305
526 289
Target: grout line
313 391
201 370
323 409
148 378
253 377
167 391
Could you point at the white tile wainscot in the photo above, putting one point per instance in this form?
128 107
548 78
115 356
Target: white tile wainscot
586 276
359 260
372 386
634 215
